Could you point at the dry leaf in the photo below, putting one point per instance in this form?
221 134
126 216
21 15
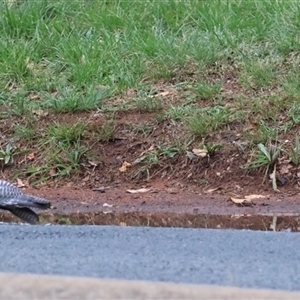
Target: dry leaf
285 169
144 190
252 197
31 156
164 94
247 199
40 113
20 183
238 201
32 96
52 172
200 152
212 190
92 163
125 166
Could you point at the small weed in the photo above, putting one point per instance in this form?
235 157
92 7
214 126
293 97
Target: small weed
294 153
206 119
261 134
40 172
150 158
143 129
179 113
173 150
148 104
266 157
294 113
204 150
6 156
24 131
71 101
169 151
66 134
207 91
107 131
258 75
67 160
147 161
211 149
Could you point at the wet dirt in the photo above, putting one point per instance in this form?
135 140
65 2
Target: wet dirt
184 191
166 207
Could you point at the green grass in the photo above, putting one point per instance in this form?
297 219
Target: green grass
228 61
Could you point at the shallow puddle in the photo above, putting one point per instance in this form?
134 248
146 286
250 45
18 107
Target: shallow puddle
185 220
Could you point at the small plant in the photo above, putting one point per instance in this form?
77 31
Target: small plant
206 119
258 74
6 156
67 160
262 133
204 150
294 113
143 128
41 173
266 157
66 134
71 101
173 150
148 104
294 153
211 149
147 161
24 131
178 113
207 91
107 131
169 151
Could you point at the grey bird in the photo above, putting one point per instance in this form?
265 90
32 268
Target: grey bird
13 200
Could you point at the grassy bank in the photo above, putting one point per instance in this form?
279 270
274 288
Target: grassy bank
219 77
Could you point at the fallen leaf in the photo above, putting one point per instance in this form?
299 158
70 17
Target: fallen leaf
247 199
164 94
200 152
85 179
252 197
92 163
20 183
285 169
124 166
52 172
40 113
239 200
143 190
33 96
31 156
209 191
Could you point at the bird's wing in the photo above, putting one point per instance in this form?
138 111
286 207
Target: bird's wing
24 213
34 201
9 190
25 201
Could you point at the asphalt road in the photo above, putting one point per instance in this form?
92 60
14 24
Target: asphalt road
228 258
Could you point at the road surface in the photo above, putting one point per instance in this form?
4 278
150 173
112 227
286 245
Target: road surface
216 257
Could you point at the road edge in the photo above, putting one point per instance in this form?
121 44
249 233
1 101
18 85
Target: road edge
28 286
